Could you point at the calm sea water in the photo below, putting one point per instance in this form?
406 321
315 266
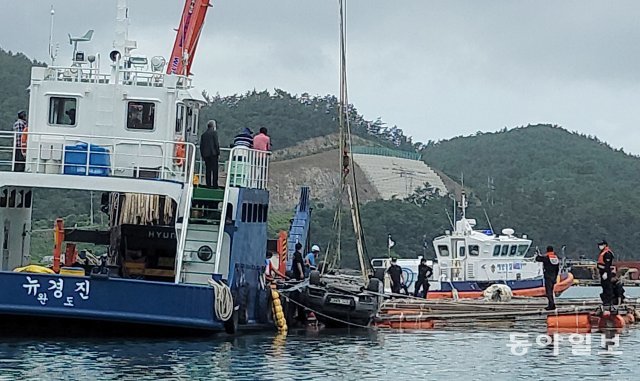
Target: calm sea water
470 353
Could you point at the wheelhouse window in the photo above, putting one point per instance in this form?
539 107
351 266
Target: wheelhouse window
443 250
474 250
505 250
522 250
461 251
62 111
513 250
496 250
141 115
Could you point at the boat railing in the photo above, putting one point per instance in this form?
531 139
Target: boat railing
91 155
132 77
241 167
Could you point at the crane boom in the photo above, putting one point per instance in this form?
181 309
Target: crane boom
184 47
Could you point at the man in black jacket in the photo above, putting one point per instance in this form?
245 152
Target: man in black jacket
210 151
550 267
605 268
424 272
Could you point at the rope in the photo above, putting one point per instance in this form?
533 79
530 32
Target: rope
327 316
224 300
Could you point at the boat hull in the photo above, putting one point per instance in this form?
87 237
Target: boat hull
114 300
533 288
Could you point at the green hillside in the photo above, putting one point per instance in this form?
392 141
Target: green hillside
558 186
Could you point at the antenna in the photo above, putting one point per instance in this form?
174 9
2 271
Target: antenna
53 52
449 217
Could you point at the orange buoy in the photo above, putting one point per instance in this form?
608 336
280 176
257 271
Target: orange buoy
609 321
629 318
403 324
569 322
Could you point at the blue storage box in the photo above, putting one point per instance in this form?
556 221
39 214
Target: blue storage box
75 160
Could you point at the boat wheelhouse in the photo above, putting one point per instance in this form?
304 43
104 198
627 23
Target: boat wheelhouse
177 253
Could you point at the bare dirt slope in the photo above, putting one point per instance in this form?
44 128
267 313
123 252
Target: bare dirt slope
318 171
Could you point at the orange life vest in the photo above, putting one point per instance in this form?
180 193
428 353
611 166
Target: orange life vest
553 258
601 257
180 152
23 140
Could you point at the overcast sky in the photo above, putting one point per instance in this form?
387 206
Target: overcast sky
436 69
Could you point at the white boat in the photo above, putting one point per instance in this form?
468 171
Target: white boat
176 254
469 261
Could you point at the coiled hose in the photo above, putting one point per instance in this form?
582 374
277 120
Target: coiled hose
223 305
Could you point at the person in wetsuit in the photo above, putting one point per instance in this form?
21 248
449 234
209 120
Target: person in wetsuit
551 267
605 264
424 272
395 273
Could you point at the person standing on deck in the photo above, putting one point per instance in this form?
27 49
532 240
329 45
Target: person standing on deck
297 266
19 127
551 267
210 151
310 259
262 141
271 271
424 272
244 139
605 262
397 278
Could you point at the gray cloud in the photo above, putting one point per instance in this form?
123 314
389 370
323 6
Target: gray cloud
436 69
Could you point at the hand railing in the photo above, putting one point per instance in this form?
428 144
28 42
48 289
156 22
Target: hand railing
88 155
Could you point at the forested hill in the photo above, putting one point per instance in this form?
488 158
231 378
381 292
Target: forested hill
558 186
14 80
293 118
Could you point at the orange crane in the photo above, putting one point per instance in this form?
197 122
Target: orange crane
184 47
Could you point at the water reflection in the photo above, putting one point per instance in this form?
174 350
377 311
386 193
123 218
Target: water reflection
462 352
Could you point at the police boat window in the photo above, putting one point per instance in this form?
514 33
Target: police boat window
513 250
474 250
522 250
505 250
461 251
496 251
62 111
180 111
141 115
443 250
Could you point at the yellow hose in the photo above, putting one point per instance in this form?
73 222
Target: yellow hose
278 313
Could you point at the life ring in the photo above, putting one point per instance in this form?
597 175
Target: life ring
23 141
179 153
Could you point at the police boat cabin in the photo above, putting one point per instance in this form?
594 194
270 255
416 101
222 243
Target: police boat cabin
174 253
468 261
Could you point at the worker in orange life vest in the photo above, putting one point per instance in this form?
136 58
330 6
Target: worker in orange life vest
605 268
551 267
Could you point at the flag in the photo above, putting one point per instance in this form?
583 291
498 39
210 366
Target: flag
391 243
